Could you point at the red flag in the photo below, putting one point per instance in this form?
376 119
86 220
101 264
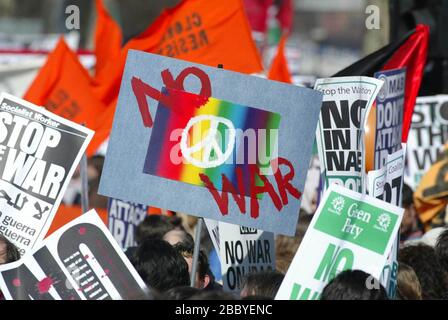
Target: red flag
410 52
279 68
412 55
257 13
285 15
108 38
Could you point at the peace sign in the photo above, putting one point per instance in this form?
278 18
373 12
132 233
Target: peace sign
211 141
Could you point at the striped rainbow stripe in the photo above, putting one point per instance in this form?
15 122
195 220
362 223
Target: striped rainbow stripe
164 144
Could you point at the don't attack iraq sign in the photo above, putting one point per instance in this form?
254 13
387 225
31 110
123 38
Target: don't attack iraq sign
39 152
348 231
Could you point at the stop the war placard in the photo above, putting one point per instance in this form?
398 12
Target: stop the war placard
346 102
210 142
389 114
39 152
428 134
80 261
244 250
348 231
123 218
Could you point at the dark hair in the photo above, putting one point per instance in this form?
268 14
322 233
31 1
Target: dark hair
186 249
441 249
408 196
186 241
11 251
180 293
153 226
352 285
263 283
422 258
212 295
97 161
160 266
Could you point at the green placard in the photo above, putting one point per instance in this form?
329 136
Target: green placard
357 222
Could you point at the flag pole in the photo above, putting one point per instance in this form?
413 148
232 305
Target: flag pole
197 240
84 183
197 248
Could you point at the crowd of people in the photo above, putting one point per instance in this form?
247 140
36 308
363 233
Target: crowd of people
163 258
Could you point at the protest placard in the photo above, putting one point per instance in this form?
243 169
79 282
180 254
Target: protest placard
387 184
346 102
39 152
234 152
124 217
244 250
348 231
429 132
389 114
80 261
213 231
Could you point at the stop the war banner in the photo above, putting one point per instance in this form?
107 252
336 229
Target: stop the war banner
244 250
124 217
346 102
39 152
210 142
80 261
387 184
389 114
348 231
428 134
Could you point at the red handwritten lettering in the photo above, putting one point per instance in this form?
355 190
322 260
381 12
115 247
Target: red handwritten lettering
142 90
280 200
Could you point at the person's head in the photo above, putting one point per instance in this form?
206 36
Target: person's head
354 285
160 266
175 236
263 284
8 251
180 293
203 277
95 167
441 248
286 247
153 226
410 219
422 258
408 286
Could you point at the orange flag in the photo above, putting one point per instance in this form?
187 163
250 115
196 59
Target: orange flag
279 68
64 87
108 38
209 32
